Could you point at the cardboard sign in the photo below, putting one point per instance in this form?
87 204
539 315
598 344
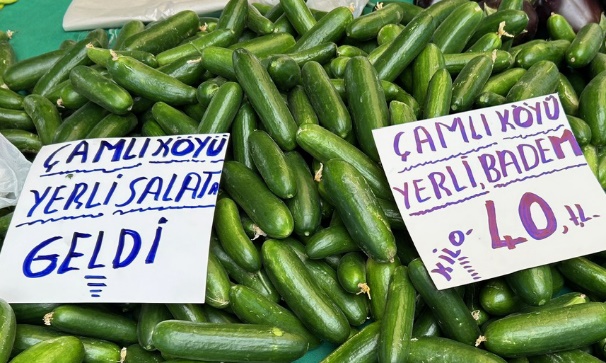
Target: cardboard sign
115 220
488 192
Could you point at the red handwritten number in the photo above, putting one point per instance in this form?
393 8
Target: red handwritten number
497 241
527 200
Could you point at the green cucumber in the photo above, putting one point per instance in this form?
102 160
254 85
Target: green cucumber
469 82
439 95
378 278
15 119
186 312
396 327
329 241
113 125
327 104
347 50
367 104
256 22
588 275
149 316
44 115
426 325
32 312
434 349
472 300
323 145
172 120
558 27
300 106
217 283
400 113
100 90
65 349
77 125
547 331
266 45
244 124
165 34
388 33
188 70
220 316
149 82
193 48
568 356
533 285
403 50
270 162
570 298
447 305
10 99
568 96
207 90
454 32
367 26
92 322
425 65
592 108
250 192
321 53
228 342
222 109
233 16
102 56
585 45
361 347
136 354
497 298
284 71
8 328
70 98
515 23
299 15
488 42
302 294
351 272
489 99
337 66
326 30
501 83
539 80
305 205
24 74
265 98
552 50
254 308
359 209
454 63
129 28
232 237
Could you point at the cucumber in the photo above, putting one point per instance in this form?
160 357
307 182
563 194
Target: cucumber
187 312
232 237
270 162
65 349
359 210
32 312
266 45
469 82
454 63
347 50
77 125
44 115
256 22
172 120
592 108
326 30
8 328
586 274
424 67
300 106
244 124
92 322
233 16
250 192
488 42
439 95
305 205
152 128
217 283
434 349
337 66
367 103
396 327
378 278
569 356
568 96
539 80
129 28
361 347
70 98
299 15
472 300
533 285
284 71
501 83
222 109
327 104
489 99
323 145
24 74
228 342
454 32
567 299
329 241
265 99
321 53
515 22
400 113
25 141
254 308
113 125
426 325
301 293
28 335
447 305
497 298
136 354
553 50
193 48
220 316
10 99
585 45
149 316
351 272
548 331
367 27
102 57
403 50
559 28
15 119
388 33
165 34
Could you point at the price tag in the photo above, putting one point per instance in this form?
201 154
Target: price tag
488 192
115 220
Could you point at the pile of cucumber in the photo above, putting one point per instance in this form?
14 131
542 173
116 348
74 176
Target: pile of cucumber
308 247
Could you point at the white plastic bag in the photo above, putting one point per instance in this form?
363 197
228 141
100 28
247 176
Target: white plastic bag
13 171
91 14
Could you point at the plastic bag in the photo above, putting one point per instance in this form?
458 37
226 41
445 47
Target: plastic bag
91 14
13 172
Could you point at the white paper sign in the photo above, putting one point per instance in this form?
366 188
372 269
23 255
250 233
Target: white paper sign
488 192
115 220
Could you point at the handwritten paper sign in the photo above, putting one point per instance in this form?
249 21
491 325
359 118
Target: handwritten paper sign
115 220
488 192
